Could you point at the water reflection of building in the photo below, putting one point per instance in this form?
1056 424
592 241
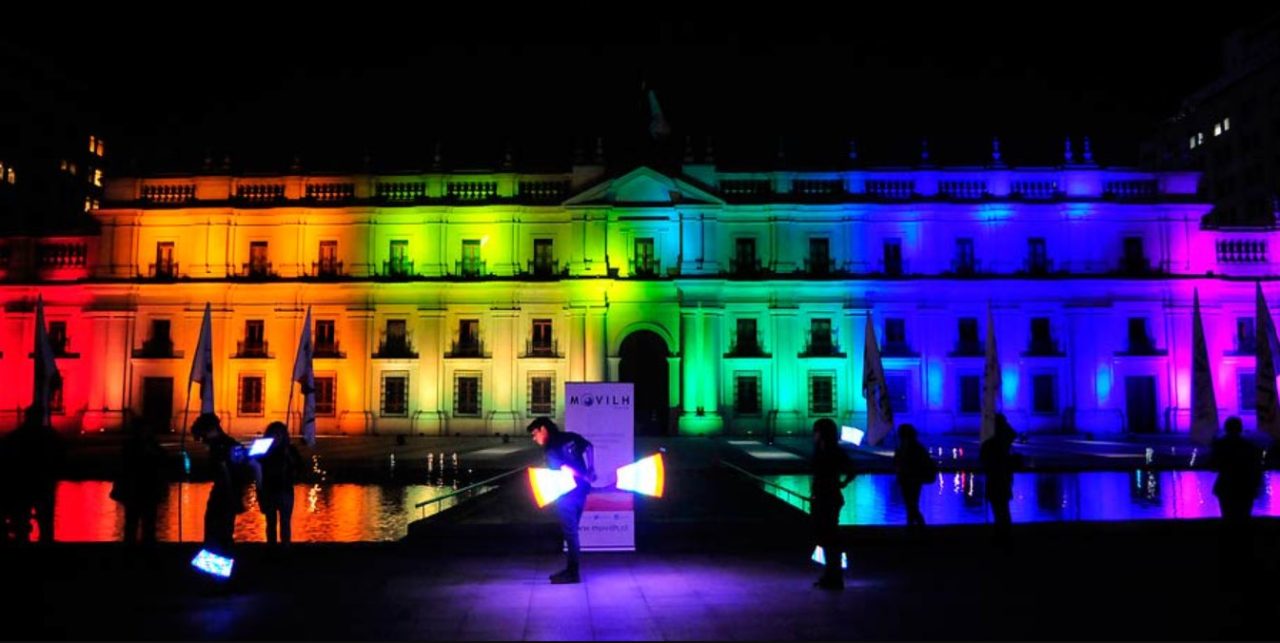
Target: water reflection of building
462 302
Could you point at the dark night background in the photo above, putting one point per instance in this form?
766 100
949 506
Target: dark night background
330 83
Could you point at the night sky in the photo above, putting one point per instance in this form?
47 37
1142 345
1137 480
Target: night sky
330 84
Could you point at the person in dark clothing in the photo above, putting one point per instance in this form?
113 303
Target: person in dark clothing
914 468
141 484
226 497
1239 466
999 463
33 455
832 472
566 449
280 468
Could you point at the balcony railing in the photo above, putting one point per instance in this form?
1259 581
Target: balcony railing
1144 346
326 269
969 349
1044 348
62 347
328 350
397 268
1242 251
252 349
163 270
897 349
964 266
257 270
470 268
395 348
543 269
1135 266
1037 266
821 349
645 268
745 267
157 349
542 349
746 348
473 348
820 266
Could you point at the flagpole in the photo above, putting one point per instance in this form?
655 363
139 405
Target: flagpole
186 408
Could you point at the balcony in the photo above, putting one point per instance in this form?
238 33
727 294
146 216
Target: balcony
61 347
328 269
645 268
1043 348
397 268
157 349
821 348
969 349
1241 251
821 267
1135 266
1247 345
544 269
163 270
252 350
897 349
257 270
542 349
964 267
470 348
746 348
1033 266
327 350
395 348
470 268
745 267
1142 347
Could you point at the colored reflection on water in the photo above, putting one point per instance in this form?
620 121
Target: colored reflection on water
321 513
959 497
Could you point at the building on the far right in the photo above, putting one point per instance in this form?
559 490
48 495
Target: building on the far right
1230 131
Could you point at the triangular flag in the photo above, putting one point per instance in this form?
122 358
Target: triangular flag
202 362
875 389
46 368
306 379
1265 377
991 382
1204 405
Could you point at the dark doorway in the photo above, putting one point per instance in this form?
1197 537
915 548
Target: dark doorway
644 363
157 402
1140 403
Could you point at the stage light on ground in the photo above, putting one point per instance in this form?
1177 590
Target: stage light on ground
646 476
213 564
260 446
852 434
549 484
820 558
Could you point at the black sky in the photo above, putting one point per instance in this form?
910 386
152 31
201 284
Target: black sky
329 83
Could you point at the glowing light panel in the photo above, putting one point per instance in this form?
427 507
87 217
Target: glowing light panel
646 476
550 484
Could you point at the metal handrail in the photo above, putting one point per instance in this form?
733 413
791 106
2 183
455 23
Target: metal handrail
802 498
457 492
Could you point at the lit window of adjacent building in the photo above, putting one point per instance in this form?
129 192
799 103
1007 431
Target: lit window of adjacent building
1193 142
11 177
97 177
93 143
1226 124
1199 138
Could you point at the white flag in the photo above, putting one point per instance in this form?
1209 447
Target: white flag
305 377
1268 406
46 368
658 127
202 362
991 382
1204 404
875 390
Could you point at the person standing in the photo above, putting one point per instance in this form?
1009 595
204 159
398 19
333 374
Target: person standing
567 449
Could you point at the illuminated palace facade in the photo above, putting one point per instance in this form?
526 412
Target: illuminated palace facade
451 302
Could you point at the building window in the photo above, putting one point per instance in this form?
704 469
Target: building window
744 256
1246 339
326 341
1226 124
328 265
1248 383
964 256
819 261
58 339
820 337
466 395
399 265
822 394
258 265
97 177
644 263
899 385
326 395
542 343
1044 388
1135 259
164 266
968 343
893 256
1037 256
1193 142
250 395
543 258
472 266
746 393
468 338
255 342
396 341
395 395
1042 342
895 336
542 397
160 342
746 342
970 394
1140 342
56 397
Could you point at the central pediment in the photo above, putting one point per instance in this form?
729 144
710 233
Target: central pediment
645 187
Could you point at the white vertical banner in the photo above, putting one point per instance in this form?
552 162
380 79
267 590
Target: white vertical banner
604 413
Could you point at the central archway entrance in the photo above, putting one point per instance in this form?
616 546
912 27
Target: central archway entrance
644 364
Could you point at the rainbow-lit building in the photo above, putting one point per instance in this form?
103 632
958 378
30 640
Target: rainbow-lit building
461 302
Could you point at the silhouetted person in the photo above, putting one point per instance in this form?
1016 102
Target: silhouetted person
141 484
226 497
999 463
562 449
832 472
914 468
32 460
1239 466
279 470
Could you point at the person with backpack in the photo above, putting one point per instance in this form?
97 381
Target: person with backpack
914 469
280 467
